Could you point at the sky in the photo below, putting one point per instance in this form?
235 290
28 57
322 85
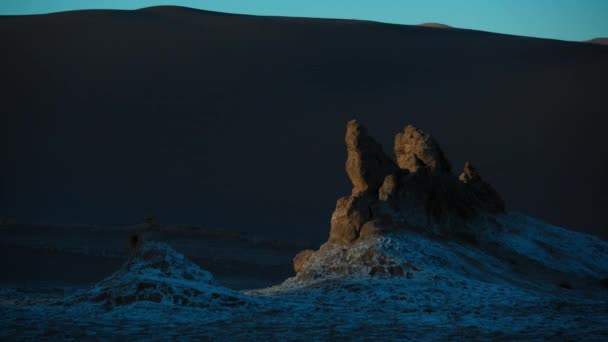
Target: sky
558 19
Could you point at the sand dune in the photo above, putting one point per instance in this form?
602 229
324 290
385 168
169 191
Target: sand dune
235 121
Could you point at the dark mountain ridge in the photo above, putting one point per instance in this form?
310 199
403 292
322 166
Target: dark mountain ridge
112 115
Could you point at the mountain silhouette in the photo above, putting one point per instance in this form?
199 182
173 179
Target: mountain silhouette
207 118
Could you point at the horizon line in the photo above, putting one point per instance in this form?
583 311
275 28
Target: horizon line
422 24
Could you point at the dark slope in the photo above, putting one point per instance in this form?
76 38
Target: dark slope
237 121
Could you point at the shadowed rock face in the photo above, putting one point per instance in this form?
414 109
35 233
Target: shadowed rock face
483 194
469 175
422 189
366 165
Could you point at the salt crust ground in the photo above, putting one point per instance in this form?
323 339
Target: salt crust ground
449 290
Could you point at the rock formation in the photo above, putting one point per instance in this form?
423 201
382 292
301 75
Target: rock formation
418 191
366 165
483 194
469 175
301 258
349 216
415 149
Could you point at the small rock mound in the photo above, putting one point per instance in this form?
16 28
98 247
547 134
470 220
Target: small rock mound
158 274
469 175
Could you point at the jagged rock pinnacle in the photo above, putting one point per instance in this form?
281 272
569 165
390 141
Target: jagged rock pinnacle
469 174
481 193
414 148
367 164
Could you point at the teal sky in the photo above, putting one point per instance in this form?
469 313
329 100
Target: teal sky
559 19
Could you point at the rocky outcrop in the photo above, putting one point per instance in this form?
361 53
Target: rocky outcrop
367 164
419 191
301 258
469 175
349 216
481 193
415 149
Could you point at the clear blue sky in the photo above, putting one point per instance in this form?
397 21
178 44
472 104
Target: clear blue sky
560 19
